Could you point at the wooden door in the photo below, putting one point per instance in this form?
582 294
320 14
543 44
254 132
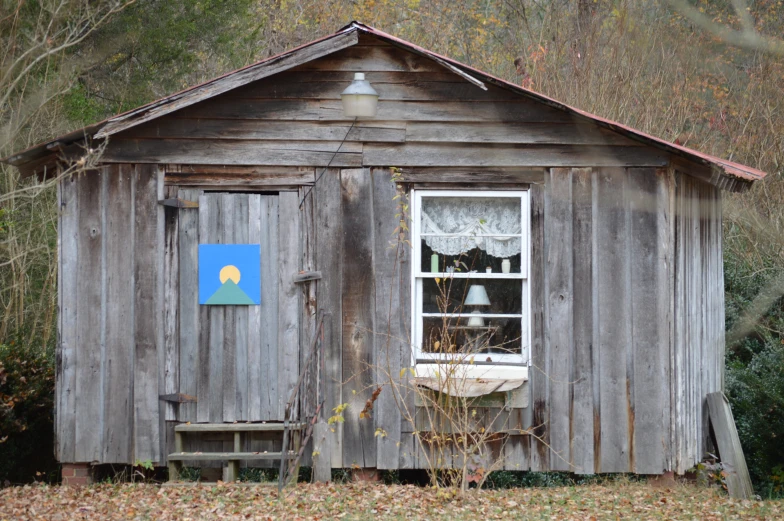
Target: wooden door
240 362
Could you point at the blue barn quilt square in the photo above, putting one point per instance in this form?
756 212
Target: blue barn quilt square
229 274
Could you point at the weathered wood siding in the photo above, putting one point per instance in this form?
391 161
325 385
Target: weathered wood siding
426 116
697 355
600 378
111 339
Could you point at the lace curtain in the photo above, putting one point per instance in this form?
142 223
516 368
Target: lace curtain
470 217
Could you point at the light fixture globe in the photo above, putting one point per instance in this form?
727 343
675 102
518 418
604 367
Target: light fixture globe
359 98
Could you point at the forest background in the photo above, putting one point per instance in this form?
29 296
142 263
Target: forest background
707 75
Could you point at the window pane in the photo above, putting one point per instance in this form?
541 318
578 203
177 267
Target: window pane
474 259
471 336
451 295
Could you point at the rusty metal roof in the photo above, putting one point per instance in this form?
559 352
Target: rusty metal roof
341 39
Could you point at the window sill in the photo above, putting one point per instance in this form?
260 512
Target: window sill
468 380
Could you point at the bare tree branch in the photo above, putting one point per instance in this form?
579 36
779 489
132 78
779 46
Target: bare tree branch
747 38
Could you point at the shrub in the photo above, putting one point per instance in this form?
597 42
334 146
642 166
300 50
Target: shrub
756 392
755 376
26 414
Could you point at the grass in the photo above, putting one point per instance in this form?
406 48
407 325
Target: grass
619 500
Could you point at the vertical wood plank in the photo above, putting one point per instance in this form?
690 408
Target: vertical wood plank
358 299
596 355
89 394
540 454
516 450
171 330
65 426
329 235
407 392
160 310
680 320
227 227
269 394
695 321
407 451
254 334
241 315
288 297
697 338
581 426
188 306
322 470
204 322
647 273
308 292
719 274
558 311
215 315
58 350
614 321
667 219
390 336
119 364
146 276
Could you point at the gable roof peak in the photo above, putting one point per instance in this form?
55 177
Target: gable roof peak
343 38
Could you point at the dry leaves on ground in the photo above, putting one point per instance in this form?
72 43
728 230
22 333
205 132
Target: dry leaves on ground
362 501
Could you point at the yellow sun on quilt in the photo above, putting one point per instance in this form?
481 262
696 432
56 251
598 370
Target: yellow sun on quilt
229 272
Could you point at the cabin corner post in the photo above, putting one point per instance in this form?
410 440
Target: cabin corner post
698 319
65 356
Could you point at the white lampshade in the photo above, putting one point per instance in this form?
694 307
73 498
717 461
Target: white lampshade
474 320
359 98
477 296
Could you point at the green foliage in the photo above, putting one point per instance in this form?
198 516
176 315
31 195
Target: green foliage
193 474
79 106
258 475
157 47
755 377
145 465
26 414
506 479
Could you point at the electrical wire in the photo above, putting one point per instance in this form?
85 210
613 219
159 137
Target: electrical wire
304 197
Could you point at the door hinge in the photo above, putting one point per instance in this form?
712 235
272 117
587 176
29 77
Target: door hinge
177 398
179 203
305 276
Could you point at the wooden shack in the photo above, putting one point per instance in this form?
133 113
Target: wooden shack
600 254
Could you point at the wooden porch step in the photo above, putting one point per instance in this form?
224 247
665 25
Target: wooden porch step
236 427
227 456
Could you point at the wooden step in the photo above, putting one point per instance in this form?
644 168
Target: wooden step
227 456
236 427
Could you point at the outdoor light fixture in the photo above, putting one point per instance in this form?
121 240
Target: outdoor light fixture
359 98
477 296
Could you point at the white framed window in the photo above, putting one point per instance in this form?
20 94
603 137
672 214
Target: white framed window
470 280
